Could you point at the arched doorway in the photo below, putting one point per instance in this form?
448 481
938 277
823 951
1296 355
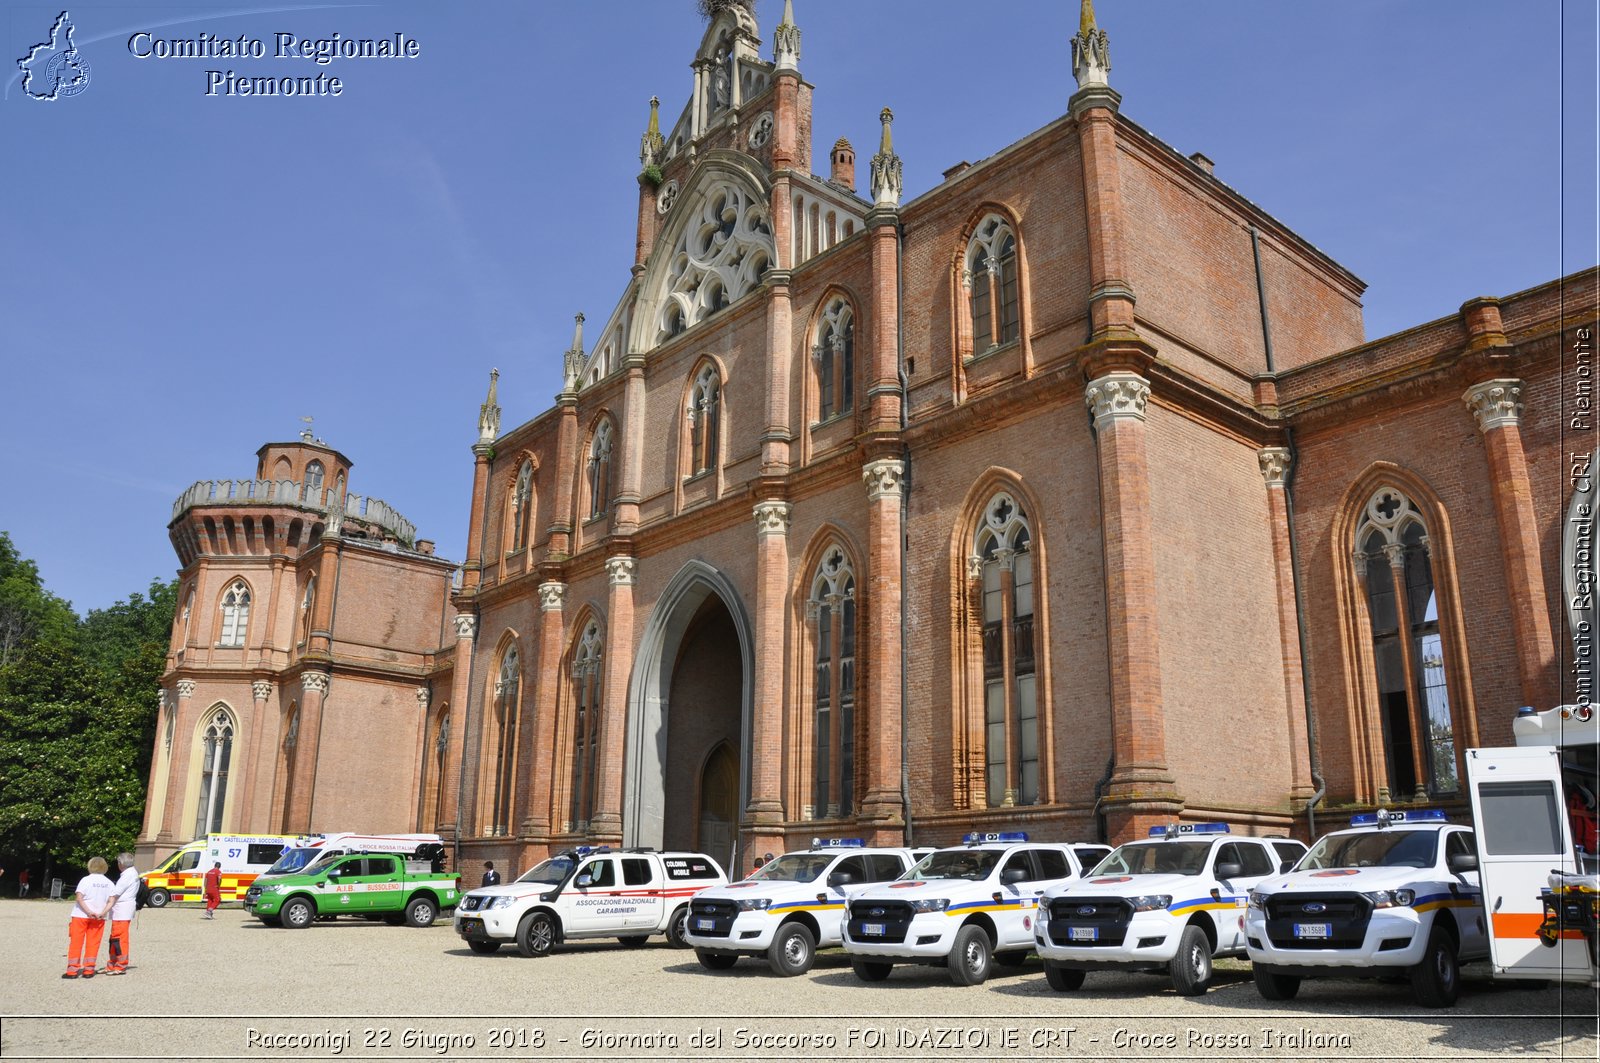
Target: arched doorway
690 695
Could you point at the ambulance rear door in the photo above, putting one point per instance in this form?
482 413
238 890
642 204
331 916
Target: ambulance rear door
1523 836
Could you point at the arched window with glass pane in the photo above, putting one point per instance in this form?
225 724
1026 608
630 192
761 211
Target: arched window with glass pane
834 356
1393 559
216 753
704 417
522 507
600 470
990 278
586 681
507 711
314 476
832 609
235 614
1003 562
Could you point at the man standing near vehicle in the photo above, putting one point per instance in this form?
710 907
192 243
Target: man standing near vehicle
213 889
122 909
491 877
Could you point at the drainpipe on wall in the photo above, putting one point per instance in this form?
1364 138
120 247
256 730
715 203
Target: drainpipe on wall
1294 559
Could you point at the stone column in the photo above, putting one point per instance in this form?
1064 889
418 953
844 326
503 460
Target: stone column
178 753
625 517
1396 553
314 692
536 823
419 765
455 774
764 815
1368 726
1142 791
1275 463
1497 405
606 823
472 567
881 809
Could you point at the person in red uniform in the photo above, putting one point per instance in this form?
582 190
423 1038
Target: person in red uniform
90 906
213 889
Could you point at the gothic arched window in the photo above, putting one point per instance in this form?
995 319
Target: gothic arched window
704 418
990 277
721 256
235 614
600 470
586 673
832 605
1003 561
314 475
522 507
1392 553
834 356
216 752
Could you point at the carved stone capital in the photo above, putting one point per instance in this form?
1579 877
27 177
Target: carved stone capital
499 689
1358 558
1117 395
261 690
772 518
974 567
620 571
466 626
424 696
161 699
186 688
314 681
1396 553
552 596
1275 463
1006 557
885 478
1495 403
813 610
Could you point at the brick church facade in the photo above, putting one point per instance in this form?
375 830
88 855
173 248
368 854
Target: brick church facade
1065 497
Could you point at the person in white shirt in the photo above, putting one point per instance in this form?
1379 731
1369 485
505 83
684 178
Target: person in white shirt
89 910
124 904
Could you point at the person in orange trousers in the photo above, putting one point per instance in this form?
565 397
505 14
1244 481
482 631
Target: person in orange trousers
213 889
90 907
124 902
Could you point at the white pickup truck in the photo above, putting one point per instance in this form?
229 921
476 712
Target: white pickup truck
584 893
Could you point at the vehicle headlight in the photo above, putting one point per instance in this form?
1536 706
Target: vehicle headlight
935 904
1150 902
499 902
754 904
1258 900
270 889
1391 898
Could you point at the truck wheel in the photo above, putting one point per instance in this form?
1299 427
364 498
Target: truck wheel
421 912
1436 981
1062 979
483 948
871 970
537 934
159 898
715 961
1191 967
634 941
969 959
297 913
677 927
793 950
1276 986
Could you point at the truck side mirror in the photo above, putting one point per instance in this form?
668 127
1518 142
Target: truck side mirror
1230 870
1013 875
840 878
1462 862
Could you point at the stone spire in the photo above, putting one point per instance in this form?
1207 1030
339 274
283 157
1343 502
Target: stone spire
574 356
652 146
1091 54
786 41
489 412
886 178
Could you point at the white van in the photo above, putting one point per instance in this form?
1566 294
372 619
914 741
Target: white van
181 877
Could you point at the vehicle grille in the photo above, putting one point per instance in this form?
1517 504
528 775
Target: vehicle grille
894 916
1347 916
252 894
1109 917
721 914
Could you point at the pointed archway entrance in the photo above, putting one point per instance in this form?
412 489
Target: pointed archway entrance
688 758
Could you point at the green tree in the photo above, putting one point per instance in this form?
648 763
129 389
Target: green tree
27 610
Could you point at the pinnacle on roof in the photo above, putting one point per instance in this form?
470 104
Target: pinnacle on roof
489 412
574 355
652 145
1091 52
786 41
887 181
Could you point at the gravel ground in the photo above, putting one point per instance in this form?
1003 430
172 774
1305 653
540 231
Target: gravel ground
233 989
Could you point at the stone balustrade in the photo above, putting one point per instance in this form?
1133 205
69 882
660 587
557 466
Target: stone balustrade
365 509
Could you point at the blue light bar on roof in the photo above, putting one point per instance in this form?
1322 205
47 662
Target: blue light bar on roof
1004 836
837 843
584 850
1383 817
1172 830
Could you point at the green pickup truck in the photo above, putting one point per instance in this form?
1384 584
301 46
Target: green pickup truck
372 885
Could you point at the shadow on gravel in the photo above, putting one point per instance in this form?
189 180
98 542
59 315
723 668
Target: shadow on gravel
917 976
1118 985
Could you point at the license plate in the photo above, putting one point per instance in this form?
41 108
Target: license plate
1084 933
471 926
705 924
876 930
1313 930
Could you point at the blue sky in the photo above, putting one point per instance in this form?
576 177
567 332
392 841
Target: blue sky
183 277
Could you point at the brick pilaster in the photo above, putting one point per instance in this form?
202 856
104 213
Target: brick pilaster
605 826
456 749
1275 470
881 809
301 813
472 567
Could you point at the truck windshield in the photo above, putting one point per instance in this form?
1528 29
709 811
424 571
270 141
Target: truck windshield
293 861
553 872
1156 858
1373 848
794 867
971 864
